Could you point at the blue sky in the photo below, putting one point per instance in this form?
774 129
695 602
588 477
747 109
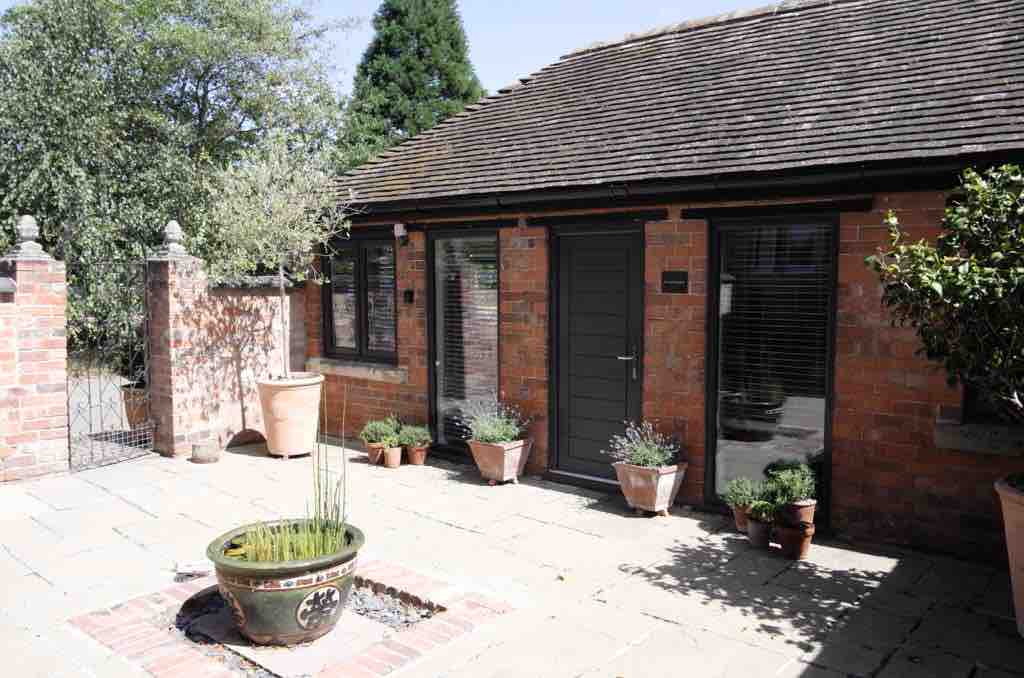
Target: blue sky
512 38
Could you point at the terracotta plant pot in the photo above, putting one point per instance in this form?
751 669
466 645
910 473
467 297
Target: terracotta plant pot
417 456
501 462
375 453
739 515
650 489
136 405
795 541
285 603
392 457
759 533
291 413
798 513
1013 520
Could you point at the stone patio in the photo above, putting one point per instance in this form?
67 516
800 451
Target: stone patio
592 590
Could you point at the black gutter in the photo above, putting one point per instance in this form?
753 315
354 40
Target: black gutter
926 173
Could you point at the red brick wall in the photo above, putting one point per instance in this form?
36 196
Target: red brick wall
674 342
33 370
524 331
890 483
374 398
208 347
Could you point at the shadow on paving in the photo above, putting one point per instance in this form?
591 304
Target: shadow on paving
843 612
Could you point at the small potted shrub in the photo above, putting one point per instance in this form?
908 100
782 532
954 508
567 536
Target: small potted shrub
416 441
379 435
760 515
287 581
498 445
646 465
792 491
739 494
795 494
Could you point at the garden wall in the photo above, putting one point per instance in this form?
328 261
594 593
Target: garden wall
33 361
208 347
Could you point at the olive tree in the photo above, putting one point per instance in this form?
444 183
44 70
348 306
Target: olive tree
276 209
965 294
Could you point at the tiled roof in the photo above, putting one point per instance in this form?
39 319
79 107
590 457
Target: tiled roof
796 85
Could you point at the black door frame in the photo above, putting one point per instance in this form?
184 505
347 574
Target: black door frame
458 452
571 227
733 222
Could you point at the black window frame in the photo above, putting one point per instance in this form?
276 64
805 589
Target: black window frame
360 244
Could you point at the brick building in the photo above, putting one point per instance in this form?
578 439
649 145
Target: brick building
674 227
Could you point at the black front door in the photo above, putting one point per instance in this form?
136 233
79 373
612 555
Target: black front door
598 346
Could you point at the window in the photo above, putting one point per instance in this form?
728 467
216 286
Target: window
359 301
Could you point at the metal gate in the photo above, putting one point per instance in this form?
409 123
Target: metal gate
108 349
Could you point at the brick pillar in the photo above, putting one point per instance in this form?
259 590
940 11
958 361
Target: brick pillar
209 346
674 350
33 360
524 331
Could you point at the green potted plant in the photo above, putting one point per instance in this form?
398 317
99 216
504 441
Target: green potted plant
760 515
287 581
498 444
963 296
739 494
379 435
416 441
795 491
276 209
650 475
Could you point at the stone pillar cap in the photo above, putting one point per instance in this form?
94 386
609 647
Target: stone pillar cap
27 234
173 239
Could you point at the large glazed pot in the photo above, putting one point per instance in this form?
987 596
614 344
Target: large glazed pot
1013 520
285 603
291 413
650 489
501 462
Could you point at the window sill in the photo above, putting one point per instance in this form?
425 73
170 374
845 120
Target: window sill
353 369
994 439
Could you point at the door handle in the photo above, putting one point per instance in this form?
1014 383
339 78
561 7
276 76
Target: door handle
632 360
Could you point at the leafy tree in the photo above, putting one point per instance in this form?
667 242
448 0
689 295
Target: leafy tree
965 294
276 208
116 112
415 73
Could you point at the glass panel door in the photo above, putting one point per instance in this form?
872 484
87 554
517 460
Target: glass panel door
465 329
773 329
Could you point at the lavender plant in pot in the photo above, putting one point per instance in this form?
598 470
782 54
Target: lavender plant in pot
963 296
650 475
498 444
276 209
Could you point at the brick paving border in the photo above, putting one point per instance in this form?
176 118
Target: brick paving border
134 630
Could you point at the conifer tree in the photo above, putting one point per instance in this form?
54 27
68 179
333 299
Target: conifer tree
415 73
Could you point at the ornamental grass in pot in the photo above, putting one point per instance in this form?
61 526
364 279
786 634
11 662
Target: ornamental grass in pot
287 581
379 435
498 443
416 441
739 494
649 474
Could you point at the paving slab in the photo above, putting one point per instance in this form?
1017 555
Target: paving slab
596 590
